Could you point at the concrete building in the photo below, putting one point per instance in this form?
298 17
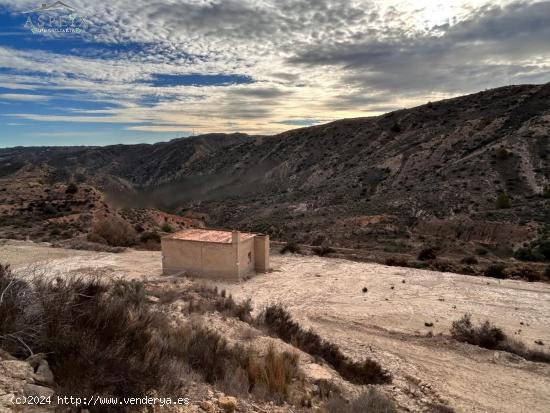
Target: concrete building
228 255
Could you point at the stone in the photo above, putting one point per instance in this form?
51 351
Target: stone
207 406
34 390
16 369
43 373
4 355
36 359
228 403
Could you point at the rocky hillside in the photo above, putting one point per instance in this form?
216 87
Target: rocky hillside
468 170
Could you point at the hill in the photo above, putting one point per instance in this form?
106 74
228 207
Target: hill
467 171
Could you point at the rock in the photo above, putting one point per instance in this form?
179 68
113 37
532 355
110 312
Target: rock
43 373
16 369
228 403
35 359
207 406
34 390
4 355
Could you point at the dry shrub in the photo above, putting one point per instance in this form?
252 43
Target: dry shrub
323 250
484 335
489 336
371 401
210 299
240 369
291 247
396 262
113 231
527 273
427 254
495 271
273 373
279 322
107 339
440 408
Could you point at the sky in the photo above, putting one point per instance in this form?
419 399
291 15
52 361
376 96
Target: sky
129 71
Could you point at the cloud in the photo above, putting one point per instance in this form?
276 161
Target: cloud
260 66
24 97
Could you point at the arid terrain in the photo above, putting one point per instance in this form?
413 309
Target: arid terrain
364 183
386 321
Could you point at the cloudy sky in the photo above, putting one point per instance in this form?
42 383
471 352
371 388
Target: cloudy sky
125 71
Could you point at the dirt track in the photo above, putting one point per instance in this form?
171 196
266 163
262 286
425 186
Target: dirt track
384 323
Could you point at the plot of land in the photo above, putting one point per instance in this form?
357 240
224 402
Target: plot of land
387 322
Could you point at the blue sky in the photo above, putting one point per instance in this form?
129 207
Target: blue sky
138 71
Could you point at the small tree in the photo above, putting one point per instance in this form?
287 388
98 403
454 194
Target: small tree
503 201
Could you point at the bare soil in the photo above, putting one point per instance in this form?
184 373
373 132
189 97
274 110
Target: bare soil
384 323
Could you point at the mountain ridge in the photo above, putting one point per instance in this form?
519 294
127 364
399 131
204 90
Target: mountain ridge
419 168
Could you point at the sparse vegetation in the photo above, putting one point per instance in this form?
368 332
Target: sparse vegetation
291 247
212 300
371 401
279 322
106 339
489 336
528 254
113 231
527 273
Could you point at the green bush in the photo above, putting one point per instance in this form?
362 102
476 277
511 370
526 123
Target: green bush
528 254
495 271
546 193
166 227
544 249
49 209
427 254
503 201
72 188
502 154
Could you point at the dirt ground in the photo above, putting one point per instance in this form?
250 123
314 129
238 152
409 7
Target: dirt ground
384 323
